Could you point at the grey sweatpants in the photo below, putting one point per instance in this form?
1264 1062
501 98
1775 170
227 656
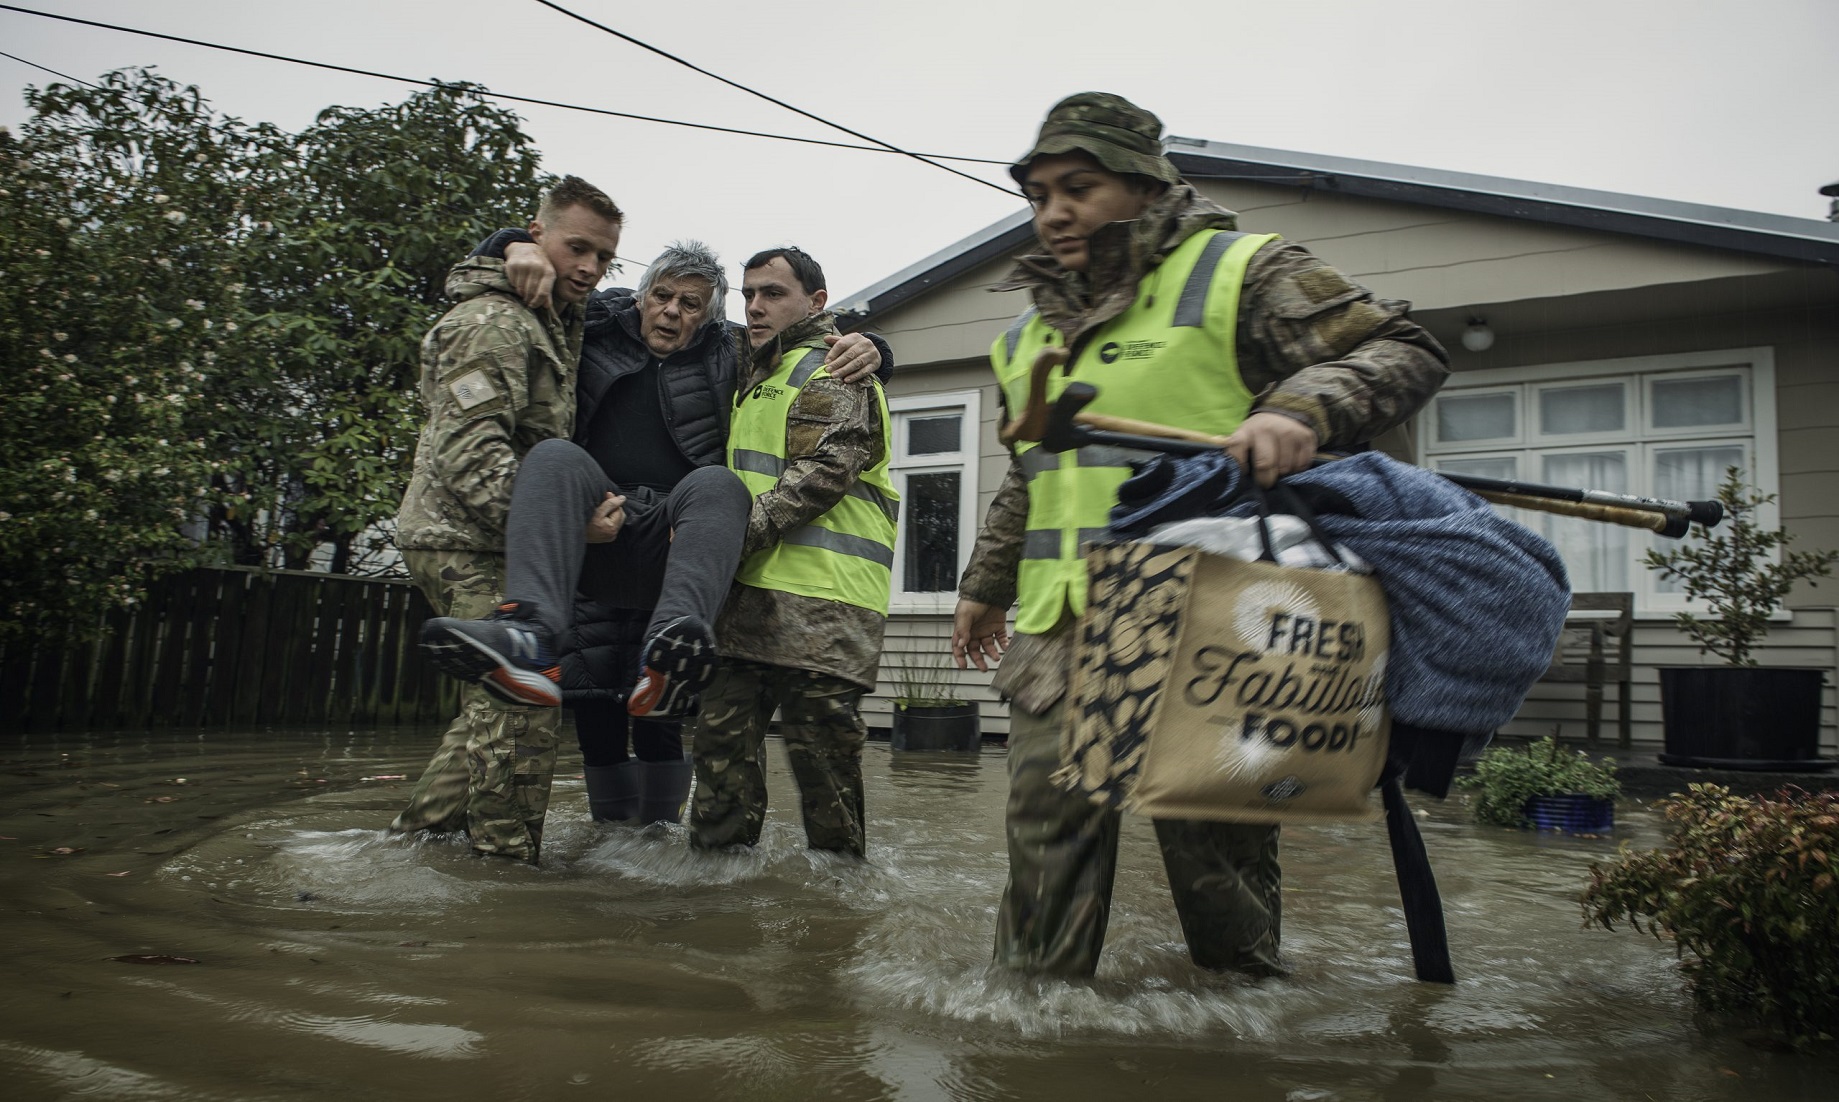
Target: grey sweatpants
559 486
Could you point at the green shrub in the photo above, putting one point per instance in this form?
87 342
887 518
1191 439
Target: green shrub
1735 571
1746 890
1507 776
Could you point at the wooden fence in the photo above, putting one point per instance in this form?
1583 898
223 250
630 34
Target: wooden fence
237 647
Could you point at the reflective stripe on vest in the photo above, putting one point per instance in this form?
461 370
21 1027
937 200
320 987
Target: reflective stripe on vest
1170 357
845 555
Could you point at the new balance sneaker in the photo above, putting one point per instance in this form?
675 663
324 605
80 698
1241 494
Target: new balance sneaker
679 663
508 653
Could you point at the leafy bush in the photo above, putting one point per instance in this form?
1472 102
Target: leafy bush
1733 571
1746 887
1508 776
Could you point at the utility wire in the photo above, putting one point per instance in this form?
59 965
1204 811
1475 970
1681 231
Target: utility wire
621 35
619 265
224 130
48 69
878 148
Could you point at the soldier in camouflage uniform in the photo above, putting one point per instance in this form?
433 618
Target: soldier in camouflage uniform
497 378
1326 366
810 657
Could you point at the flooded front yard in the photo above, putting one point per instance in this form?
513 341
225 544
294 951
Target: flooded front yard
218 916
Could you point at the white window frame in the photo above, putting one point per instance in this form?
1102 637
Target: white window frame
1758 436
903 410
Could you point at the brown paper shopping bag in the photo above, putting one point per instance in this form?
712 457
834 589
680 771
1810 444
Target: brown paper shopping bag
1207 687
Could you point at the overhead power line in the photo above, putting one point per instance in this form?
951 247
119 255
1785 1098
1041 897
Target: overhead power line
48 69
920 157
878 148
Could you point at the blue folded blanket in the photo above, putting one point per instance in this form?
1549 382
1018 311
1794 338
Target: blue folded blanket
1477 601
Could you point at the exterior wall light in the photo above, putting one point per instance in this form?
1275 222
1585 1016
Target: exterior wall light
1478 337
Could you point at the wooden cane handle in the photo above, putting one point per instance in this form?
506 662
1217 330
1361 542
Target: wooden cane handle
1608 514
1147 428
1031 423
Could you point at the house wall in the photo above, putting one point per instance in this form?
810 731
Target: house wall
1439 258
1555 296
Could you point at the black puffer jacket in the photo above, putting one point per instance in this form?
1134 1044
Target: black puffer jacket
695 383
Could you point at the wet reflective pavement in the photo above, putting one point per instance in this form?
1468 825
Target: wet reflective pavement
217 916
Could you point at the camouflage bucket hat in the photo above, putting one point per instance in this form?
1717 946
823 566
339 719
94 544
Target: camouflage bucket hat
1117 133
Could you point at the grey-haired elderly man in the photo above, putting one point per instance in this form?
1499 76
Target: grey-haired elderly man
622 542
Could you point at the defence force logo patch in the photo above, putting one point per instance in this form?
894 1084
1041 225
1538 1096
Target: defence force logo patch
1112 351
472 389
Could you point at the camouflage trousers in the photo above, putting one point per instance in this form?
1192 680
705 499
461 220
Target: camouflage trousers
823 733
491 773
1063 858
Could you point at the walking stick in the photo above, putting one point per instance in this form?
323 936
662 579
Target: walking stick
1065 425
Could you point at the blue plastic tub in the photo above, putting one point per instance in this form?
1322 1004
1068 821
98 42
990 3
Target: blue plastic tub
1572 814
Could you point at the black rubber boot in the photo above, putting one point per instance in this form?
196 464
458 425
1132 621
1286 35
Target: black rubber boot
665 790
613 792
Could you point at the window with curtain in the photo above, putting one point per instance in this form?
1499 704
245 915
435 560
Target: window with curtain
1660 433
934 466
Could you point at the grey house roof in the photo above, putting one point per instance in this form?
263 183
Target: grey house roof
1772 235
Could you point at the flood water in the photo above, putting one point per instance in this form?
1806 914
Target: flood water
331 960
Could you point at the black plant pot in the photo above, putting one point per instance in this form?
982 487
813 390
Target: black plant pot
952 727
1742 717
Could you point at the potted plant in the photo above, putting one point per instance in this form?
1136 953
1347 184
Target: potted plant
929 713
1745 889
1546 787
1740 715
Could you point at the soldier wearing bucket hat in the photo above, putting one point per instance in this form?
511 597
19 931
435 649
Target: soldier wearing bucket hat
1116 133
1179 318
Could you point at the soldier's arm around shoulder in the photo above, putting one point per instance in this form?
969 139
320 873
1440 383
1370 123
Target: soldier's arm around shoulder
479 360
1319 347
833 433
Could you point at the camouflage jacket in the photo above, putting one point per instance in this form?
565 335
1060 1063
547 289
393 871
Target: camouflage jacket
496 379
833 433
1311 344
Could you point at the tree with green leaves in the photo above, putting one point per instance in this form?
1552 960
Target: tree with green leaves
209 330
122 217
376 205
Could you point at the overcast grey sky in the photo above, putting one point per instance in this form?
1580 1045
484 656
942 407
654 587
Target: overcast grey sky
1729 102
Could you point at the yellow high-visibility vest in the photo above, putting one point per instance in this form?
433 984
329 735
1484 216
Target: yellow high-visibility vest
1168 358
847 554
